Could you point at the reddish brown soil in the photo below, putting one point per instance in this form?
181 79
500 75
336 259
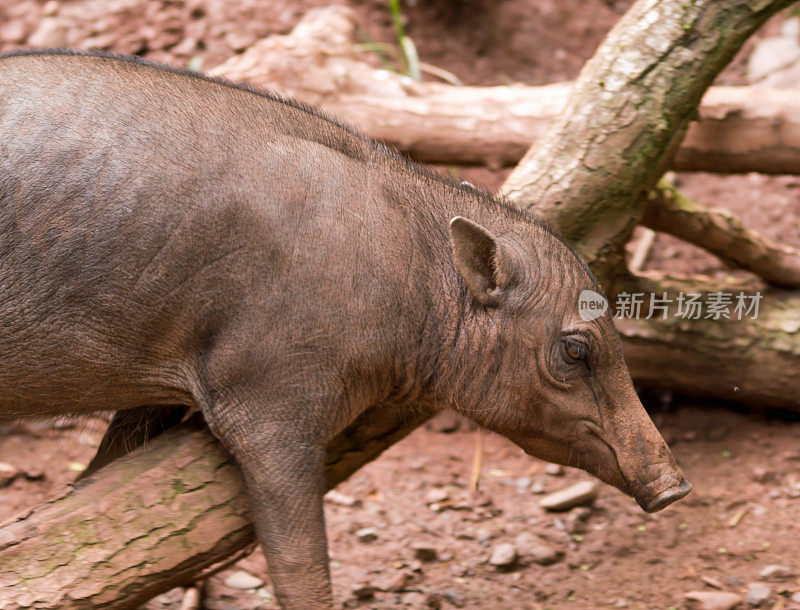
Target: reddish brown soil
745 510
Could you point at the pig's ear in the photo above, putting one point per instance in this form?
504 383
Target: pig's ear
480 260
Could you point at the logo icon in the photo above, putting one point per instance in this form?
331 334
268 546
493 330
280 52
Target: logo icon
591 305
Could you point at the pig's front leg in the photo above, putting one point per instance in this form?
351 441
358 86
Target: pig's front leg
284 478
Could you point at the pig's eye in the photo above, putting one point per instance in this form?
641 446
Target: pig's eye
573 350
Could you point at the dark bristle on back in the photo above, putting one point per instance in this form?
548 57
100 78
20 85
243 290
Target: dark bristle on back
426 172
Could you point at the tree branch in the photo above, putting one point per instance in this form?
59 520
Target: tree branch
625 118
154 519
718 231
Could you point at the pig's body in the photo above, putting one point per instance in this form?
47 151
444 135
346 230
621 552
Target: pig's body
167 239
136 232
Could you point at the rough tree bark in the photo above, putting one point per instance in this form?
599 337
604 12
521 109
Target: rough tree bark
736 129
718 231
155 519
624 119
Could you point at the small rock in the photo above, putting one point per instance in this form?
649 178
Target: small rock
424 552
436 495
13 31
8 473
396 582
757 594
554 470
621 603
50 7
776 572
455 598
413 599
334 497
523 483
713 600
367 534
795 597
575 521
445 422
531 546
711 582
243 580
763 475
503 556
483 536
538 487
580 494
363 591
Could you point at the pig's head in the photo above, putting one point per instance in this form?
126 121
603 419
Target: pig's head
547 373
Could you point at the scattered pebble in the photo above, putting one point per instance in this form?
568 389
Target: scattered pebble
484 536
445 422
538 487
711 582
7 473
243 580
763 475
436 495
554 470
580 494
713 600
757 594
413 599
455 598
424 552
776 572
503 556
523 483
367 534
363 591
536 550
795 597
335 497
576 519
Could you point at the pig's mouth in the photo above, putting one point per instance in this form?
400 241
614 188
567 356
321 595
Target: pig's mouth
665 498
644 495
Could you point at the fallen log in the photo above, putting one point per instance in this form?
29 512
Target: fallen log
155 519
721 233
736 129
750 361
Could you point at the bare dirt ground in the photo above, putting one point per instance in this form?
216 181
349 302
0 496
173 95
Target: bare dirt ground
744 513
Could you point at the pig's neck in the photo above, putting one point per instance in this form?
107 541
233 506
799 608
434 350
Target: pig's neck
450 360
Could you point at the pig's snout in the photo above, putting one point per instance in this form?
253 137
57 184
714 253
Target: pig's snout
662 492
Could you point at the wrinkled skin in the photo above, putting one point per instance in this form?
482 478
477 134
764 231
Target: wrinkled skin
170 241
578 411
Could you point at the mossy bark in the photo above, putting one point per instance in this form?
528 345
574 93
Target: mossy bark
721 233
626 115
153 520
750 361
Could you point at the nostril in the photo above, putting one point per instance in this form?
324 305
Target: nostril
665 498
